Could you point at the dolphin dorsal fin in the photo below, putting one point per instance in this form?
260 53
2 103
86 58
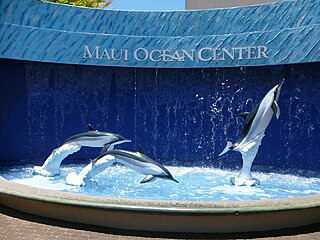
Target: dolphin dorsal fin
148 178
91 128
244 115
140 150
276 109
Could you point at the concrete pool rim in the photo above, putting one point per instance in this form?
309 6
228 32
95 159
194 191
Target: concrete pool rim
163 215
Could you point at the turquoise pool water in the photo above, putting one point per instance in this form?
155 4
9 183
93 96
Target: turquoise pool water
196 184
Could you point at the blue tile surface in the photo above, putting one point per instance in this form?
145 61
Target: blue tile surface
39 31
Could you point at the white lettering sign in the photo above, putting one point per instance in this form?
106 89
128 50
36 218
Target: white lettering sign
205 54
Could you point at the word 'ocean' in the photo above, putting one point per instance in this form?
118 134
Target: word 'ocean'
205 54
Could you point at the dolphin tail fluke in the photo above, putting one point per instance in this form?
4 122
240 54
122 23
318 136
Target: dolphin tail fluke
226 149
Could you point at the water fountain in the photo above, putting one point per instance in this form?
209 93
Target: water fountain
177 90
92 138
255 124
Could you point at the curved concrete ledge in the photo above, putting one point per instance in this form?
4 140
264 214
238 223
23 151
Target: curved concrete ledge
163 216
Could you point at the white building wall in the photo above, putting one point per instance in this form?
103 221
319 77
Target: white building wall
209 4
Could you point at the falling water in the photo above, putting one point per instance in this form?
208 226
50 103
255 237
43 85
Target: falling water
180 116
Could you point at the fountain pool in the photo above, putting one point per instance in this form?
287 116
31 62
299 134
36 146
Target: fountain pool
223 213
196 184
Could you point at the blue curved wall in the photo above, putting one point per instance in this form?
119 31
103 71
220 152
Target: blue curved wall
278 33
180 116
182 112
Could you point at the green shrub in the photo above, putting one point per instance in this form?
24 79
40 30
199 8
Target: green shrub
84 3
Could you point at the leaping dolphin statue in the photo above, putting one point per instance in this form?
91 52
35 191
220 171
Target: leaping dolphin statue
255 124
91 138
256 121
137 161
95 138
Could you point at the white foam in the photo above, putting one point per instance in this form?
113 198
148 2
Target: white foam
74 179
89 171
230 190
237 181
197 184
45 183
51 166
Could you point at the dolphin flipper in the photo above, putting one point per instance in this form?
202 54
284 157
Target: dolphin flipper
148 178
226 149
106 148
93 161
244 115
276 109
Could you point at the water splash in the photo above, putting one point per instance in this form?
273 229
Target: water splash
196 184
51 166
88 172
248 154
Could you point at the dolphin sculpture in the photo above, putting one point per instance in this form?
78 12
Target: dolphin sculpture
255 124
137 161
91 138
95 138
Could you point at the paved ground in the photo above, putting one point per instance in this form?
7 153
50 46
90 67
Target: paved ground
15 225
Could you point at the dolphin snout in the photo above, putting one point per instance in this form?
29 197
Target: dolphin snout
280 84
174 180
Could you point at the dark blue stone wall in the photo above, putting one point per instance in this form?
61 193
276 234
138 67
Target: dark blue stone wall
180 116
